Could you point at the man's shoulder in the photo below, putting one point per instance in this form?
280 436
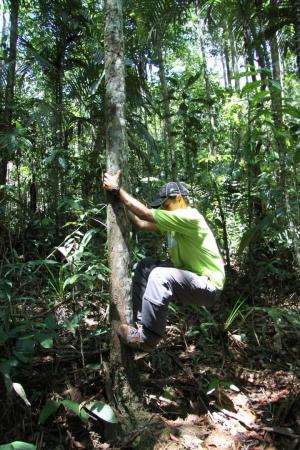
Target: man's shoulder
189 213
184 214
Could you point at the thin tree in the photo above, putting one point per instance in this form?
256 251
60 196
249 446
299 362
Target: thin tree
122 374
296 16
6 116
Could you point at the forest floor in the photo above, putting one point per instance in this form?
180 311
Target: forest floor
204 387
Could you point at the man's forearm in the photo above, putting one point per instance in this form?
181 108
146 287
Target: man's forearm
140 224
135 206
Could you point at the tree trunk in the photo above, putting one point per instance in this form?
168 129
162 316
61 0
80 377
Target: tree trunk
247 37
6 119
227 58
225 77
296 15
56 171
170 162
212 147
224 225
276 106
234 61
123 374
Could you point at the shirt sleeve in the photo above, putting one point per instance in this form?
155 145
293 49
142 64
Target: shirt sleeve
177 221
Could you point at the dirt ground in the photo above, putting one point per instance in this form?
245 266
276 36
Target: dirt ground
203 388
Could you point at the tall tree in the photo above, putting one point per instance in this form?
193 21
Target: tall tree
296 15
280 139
122 372
7 112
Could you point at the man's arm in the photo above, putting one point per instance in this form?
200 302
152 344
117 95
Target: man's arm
142 224
143 213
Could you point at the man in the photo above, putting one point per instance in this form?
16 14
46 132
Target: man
195 274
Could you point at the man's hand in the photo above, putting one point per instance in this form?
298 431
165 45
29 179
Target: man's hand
144 214
110 182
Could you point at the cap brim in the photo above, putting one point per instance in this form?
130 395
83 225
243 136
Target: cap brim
157 202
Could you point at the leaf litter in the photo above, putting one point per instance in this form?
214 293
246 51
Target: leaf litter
233 390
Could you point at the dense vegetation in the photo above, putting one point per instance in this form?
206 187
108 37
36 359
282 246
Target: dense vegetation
212 99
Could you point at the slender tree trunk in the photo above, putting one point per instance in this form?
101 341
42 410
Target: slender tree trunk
6 119
276 105
255 160
234 61
227 58
212 143
224 225
4 35
247 37
123 374
225 77
296 16
212 146
56 172
169 145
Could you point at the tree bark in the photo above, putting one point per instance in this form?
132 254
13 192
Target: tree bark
170 162
227 58
296 15
247 37
212 146
6 119
234 61
276 106
123 374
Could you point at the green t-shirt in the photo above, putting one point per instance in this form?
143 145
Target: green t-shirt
191 243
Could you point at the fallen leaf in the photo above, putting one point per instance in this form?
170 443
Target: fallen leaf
220 440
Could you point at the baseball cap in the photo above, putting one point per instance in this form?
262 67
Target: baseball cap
170 189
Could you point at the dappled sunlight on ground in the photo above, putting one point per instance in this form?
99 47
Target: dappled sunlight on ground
203 387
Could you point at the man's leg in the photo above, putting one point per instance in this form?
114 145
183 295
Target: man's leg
164 284
139 283
142 338
167 284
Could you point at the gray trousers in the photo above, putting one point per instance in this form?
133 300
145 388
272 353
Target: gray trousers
156 283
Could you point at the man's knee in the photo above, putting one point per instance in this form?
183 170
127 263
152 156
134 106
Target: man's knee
160 275
159 290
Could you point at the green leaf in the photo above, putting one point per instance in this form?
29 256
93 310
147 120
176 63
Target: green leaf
21 392
214 383
292 111
3 336
103 411
48 410
247 237
95 366
62 162
254 232
72 280
250 87
75 408
50 322
49 159
192 80
251 72
18 445
7 365
47 343
26 345
297 156
169 393
276 85
72 323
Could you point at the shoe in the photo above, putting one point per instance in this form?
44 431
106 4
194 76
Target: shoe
132 338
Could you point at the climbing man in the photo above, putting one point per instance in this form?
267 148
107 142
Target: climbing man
194 274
